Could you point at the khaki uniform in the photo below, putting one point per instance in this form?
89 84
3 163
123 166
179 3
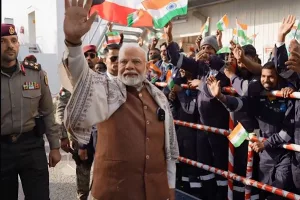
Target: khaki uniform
83 168
24 96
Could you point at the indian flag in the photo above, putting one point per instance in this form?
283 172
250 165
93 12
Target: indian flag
223 23
225 49
113 37
241 31
155 69
238 135
134 17
156 13
297 25
204 28
169 79
162 11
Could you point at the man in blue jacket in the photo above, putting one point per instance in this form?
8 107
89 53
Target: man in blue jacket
275 117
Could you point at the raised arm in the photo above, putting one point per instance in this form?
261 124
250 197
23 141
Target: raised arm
280 54
176 58
90 91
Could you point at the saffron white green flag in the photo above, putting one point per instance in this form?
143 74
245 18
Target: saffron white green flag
223 23
162 15
204 28
240 32
225 49
238 135
132 18
297 25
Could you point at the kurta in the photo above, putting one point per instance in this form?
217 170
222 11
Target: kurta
130 160
125 158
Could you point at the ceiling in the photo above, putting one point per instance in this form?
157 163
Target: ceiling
201 3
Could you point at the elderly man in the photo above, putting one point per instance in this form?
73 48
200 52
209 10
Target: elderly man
82 154
136 153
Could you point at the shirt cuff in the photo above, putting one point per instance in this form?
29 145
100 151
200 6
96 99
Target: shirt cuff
171 172
73 51
279 44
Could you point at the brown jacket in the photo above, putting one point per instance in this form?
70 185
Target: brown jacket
130 160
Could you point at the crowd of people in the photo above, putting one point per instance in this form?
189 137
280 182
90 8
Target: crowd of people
111 112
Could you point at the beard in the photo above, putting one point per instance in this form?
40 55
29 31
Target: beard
9 55
135 81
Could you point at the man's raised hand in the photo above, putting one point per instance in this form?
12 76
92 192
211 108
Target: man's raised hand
214 86
76 22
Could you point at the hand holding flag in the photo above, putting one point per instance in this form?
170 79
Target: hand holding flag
238 135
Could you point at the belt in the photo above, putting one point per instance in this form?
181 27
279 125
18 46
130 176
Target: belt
15 137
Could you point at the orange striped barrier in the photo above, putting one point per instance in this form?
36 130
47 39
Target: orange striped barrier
289 146
231 90
245 181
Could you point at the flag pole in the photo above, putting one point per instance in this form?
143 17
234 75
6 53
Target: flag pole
295 33
237 31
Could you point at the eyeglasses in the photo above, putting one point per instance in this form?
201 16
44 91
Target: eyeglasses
114 58
91 54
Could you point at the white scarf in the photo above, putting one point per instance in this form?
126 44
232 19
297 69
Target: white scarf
81 109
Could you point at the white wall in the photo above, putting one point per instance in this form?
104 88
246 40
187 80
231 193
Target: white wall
262 17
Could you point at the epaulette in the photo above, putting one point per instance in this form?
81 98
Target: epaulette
32 65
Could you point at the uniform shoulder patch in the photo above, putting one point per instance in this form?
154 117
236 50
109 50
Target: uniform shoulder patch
32 65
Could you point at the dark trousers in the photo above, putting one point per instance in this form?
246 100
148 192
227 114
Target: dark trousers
83 170
276 173
296 176
205 155
26 158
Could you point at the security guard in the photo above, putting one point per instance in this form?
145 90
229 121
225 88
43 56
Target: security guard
276 119
26 114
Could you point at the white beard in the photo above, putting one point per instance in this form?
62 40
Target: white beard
133 81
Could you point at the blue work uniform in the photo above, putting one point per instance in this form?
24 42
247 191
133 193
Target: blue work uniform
212 113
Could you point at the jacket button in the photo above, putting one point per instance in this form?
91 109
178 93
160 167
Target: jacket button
147 139
140 94
147 122
147 157
145 107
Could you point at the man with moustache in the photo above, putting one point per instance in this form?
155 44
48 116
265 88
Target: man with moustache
136 153
276 119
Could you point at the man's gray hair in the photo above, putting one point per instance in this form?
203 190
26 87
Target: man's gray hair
126 46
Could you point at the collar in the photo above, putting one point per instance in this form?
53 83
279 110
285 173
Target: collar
20 68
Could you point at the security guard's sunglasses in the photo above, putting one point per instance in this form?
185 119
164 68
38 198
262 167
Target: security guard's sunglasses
91 54
114 58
